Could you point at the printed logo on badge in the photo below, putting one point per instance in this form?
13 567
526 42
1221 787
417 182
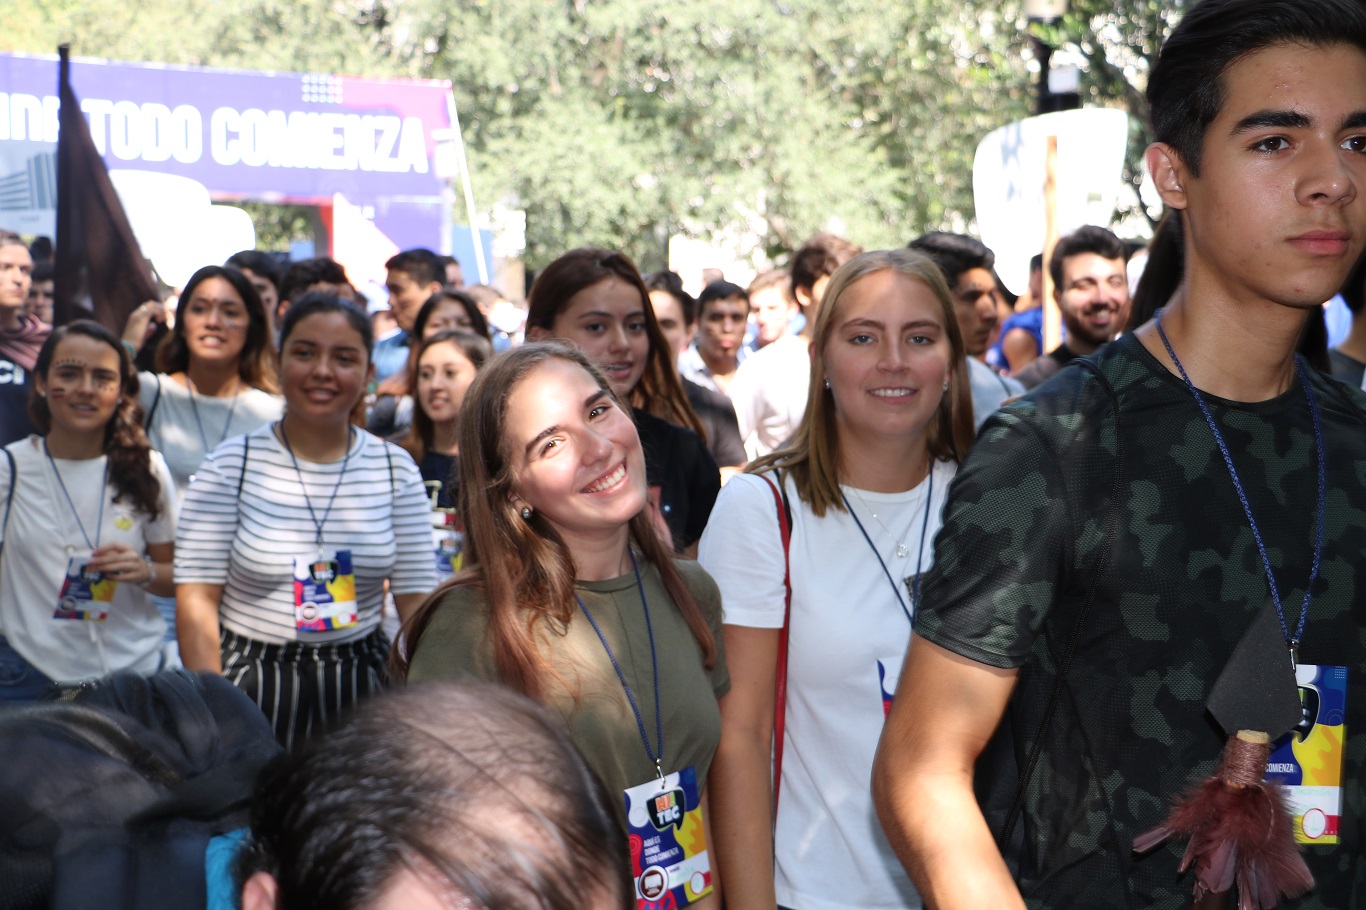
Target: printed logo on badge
323 571
666 810
654 881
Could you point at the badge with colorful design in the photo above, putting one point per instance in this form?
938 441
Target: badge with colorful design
669 858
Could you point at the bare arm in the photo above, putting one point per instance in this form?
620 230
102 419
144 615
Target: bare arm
741 778
196 619
946 709
407 604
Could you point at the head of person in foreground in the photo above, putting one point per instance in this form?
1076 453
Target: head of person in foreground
439 797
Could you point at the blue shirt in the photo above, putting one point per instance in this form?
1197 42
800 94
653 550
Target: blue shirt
391 354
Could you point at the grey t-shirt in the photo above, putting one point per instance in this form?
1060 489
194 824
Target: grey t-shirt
174 425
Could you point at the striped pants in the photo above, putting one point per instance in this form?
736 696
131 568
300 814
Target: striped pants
303 688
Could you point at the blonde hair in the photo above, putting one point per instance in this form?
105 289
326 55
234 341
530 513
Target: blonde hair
812 456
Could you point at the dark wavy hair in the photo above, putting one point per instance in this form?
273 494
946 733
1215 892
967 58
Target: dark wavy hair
125 443
660 391
478 791
1186 89
399 383
418 440
523 566
256 364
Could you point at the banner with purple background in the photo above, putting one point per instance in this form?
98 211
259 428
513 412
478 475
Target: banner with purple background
273 137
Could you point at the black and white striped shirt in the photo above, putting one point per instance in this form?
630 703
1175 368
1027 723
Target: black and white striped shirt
242 525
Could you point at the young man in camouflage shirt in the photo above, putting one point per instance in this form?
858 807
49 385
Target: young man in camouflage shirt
1096 567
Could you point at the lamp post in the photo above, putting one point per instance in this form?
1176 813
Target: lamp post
1046 12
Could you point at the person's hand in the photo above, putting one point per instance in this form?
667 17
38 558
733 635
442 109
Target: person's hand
121 563
142 322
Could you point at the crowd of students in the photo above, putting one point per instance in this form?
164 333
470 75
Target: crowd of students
755 548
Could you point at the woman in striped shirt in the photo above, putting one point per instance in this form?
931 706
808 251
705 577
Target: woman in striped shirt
280 578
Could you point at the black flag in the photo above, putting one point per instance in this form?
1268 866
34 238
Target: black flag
99 269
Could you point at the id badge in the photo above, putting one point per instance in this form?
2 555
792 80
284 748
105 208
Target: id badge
888 675
669 858
86 594
1308 760
448 544
324 592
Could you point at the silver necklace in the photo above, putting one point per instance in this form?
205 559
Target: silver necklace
902 551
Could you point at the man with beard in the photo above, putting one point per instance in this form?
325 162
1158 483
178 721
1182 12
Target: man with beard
1092 291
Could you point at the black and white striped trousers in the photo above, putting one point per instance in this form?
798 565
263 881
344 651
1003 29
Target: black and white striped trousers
301 687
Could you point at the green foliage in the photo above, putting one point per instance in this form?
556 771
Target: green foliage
1120 40
619 122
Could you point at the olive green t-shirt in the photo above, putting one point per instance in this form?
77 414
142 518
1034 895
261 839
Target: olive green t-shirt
602 723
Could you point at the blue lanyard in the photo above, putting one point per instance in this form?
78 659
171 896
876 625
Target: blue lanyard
658 757
232 409
920 557
99 520
308 501
1292 641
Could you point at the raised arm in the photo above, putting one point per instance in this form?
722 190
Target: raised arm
946 709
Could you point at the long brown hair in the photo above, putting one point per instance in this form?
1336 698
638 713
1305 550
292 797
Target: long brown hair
660 391
125 443
813 455
421 434
523 566
256 365
400 383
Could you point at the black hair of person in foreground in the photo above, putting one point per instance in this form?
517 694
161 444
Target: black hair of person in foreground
446 795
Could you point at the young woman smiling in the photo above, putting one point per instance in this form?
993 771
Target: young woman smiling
280 578
217 374
443 312
597 300
569 594
864 480
89 523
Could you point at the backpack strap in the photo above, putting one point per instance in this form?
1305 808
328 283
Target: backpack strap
1107 548
784 509
9 496
156 400
242 474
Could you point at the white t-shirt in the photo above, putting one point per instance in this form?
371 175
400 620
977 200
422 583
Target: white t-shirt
40 537
847 640
175 433
769 393
247 541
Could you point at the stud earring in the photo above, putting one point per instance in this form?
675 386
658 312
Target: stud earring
526 513
827 383
946 385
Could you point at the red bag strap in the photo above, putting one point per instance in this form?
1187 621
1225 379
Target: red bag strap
780 683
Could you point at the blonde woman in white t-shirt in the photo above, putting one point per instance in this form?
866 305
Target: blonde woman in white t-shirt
864 478
89 525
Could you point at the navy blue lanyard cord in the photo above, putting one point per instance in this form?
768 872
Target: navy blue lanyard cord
656 757
232 409
308 501
920 556
99 521
1293 641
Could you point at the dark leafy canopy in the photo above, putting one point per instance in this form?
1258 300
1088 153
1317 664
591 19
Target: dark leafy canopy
620 122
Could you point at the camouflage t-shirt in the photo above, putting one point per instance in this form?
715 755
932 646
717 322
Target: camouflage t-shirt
1024 529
